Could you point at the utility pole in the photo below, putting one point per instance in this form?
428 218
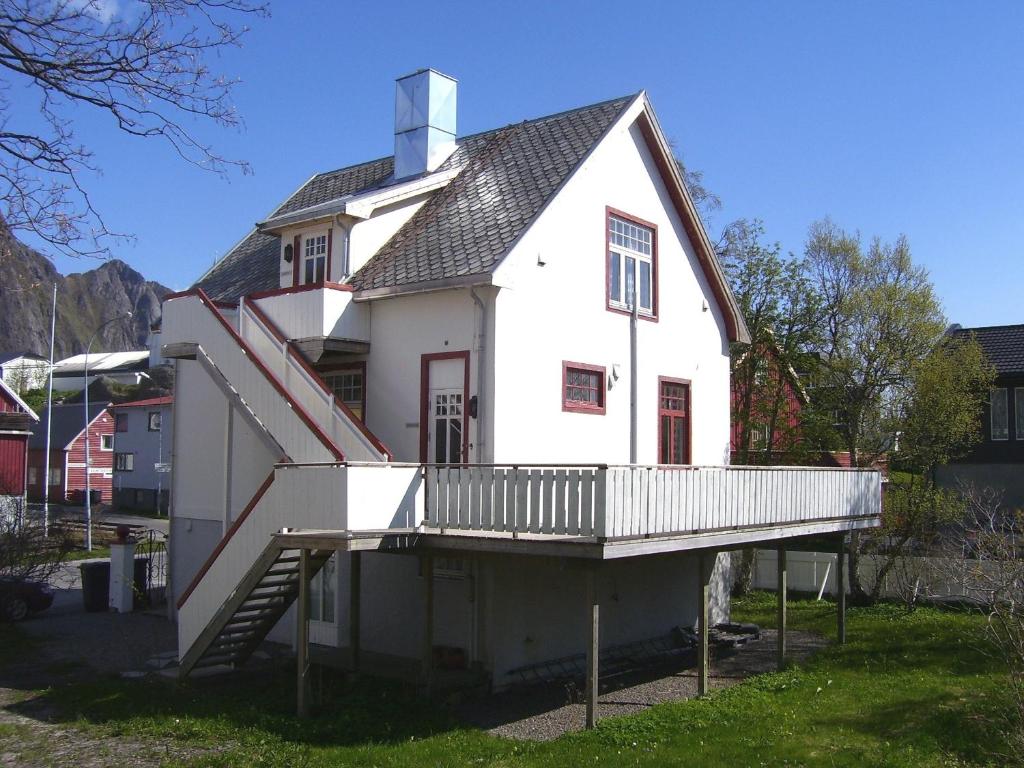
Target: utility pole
88 482
49 420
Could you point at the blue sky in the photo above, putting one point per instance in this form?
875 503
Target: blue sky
890 117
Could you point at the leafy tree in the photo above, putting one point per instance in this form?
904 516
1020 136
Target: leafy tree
782 311
143 63
886 386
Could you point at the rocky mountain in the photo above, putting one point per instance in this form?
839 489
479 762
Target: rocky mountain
84 301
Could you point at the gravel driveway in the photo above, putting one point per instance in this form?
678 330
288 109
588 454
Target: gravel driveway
543 713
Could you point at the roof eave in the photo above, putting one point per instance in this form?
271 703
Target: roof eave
425 286
658 144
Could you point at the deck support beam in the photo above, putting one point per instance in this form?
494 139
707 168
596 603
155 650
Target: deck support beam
354 606
302 637
428 624
593 605
705 567
841 590
781 621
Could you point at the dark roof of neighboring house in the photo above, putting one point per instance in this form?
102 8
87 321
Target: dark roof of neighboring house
68 422
464 229
152 402
1003 345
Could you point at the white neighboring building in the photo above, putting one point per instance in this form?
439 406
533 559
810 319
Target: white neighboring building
24 371
122 367
428 366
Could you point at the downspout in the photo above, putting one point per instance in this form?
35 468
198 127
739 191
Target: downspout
347 229
633 377
481 373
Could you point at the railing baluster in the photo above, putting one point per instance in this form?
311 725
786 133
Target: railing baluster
547 519
595 497
499 499
464 491
575 512
522 500
487 499
442 497
559 513
535 479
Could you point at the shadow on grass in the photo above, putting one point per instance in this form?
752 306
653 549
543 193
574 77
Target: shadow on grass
249 704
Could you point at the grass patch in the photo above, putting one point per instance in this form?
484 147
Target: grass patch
907 690
85 554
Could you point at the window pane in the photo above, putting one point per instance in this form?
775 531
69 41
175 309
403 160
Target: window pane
679 439
1000 415
455 438
630 280
664 452
645 285
615 276
440 441
320 264
308 277
1018 405
328 572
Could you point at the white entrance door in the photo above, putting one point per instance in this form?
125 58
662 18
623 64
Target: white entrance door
446 412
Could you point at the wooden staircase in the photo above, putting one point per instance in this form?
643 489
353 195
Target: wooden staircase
251 610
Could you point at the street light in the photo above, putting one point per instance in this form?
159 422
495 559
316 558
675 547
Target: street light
85 379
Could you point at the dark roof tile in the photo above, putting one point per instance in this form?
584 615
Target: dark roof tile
1003 345
464 229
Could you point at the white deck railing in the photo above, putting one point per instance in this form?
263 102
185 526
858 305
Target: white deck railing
641 500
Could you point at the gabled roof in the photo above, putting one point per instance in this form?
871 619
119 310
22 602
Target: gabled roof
102 362
1003 345
152 402
16 399
68 423
6 357
466 228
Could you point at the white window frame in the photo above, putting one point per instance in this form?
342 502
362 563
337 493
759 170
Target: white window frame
630 246
109 445
314 250
993 393
335 382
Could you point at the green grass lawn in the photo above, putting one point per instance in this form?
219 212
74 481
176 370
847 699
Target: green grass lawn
907 690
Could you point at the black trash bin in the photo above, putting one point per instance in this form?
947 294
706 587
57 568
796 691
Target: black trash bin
95 496
96 586
140 582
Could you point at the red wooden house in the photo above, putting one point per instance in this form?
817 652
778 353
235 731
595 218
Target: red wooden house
16 422
67 454
782 384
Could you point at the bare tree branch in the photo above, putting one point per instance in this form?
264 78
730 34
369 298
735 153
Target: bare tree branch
141 62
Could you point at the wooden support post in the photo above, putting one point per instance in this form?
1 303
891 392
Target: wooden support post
841 590
593 646
354 618
782 607
704 569
302 637
428 624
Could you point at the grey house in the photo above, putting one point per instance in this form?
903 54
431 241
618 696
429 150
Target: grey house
997 461
142 454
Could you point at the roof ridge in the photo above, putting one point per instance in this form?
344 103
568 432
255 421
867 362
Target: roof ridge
478 134
988 327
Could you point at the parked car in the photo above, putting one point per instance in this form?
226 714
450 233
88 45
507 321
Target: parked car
20 597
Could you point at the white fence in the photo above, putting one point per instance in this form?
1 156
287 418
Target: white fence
640 501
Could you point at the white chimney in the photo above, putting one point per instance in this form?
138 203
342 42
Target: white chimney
424 122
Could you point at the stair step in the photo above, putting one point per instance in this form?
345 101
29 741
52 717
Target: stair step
285 572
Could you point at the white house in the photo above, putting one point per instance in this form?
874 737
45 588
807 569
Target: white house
24 371
123 367
431 368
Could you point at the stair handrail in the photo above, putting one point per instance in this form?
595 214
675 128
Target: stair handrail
255 312
276 383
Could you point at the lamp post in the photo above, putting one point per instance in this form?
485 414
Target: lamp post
88 484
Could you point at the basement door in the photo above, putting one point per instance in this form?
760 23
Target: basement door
444 430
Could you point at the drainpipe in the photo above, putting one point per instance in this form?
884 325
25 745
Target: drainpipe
481 373
347 229
632 376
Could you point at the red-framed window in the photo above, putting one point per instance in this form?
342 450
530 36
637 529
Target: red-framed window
673 421
348 383
631 264
583 387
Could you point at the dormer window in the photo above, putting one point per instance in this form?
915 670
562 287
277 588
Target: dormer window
314 259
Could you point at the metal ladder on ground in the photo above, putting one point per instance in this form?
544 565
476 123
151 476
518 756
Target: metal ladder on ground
251 611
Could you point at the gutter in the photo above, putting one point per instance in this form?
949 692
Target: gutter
481 373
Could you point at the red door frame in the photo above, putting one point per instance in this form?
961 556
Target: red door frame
689 416
425 361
